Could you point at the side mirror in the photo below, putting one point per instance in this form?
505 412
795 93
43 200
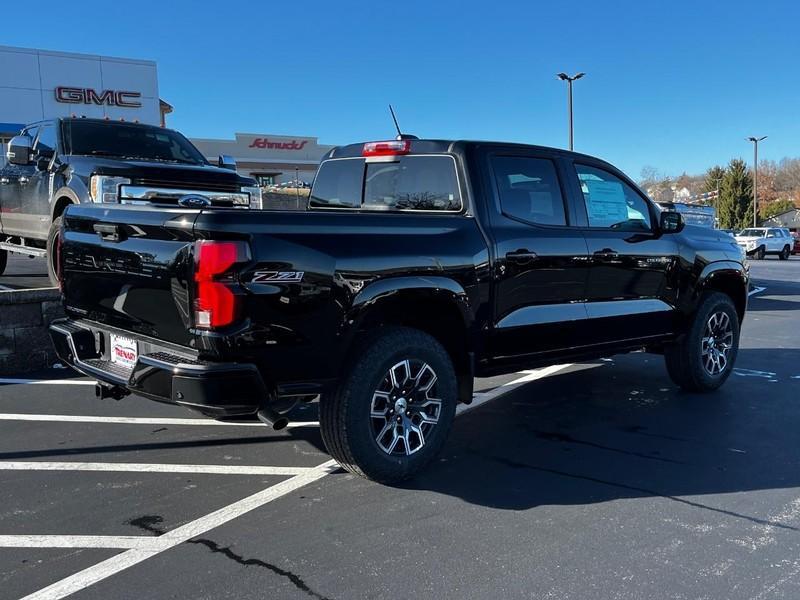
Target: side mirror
671 222
226 162
20 150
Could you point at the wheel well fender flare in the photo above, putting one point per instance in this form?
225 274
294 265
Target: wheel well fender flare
726 276
413 288
449 318
63 197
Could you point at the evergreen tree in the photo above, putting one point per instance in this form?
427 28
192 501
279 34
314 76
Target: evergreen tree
776 207
736 197
713 179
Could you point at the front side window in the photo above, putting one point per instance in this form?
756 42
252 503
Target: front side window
31 132
529 190
772 233
610 202
46 143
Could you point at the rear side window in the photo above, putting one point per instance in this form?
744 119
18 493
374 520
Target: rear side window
338 184
529 189
427 183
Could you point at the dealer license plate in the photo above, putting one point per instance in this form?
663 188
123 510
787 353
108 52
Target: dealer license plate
123 351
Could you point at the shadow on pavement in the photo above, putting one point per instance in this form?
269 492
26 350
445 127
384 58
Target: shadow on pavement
764 302
624 431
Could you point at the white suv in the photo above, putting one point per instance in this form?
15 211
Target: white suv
760 241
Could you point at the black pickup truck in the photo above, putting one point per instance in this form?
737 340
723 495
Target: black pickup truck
419 265
53 164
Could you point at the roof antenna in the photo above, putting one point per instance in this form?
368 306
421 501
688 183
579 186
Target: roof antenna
400 134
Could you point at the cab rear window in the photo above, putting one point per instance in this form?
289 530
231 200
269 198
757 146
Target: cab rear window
407 183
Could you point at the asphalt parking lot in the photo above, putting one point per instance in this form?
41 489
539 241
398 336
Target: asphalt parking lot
596 480
24 272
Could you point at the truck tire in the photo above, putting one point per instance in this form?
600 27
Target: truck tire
52 240
761 253
703 359
3 261
394 407
784 255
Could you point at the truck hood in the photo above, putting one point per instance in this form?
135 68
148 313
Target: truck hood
711 244
748 238
158 171
706 234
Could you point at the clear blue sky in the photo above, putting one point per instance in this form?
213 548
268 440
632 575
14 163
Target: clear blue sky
676 85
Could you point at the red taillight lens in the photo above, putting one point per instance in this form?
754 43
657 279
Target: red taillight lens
390 148
216 305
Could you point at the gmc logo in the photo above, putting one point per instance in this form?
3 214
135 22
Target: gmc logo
72 95
265 143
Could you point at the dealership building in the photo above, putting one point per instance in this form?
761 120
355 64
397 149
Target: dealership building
41 84
268 158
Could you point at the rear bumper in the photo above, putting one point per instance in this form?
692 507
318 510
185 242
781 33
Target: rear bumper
214 389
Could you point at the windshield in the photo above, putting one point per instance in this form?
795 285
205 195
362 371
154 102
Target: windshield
753 233
120 140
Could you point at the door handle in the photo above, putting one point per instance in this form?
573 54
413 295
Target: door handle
107 232
521 256
607 253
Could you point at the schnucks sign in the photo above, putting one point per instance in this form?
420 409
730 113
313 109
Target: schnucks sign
74 95
261 142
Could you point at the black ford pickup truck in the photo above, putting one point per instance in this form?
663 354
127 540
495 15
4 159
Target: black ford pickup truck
419 265
53 164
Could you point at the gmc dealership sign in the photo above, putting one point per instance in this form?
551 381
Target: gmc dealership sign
73 95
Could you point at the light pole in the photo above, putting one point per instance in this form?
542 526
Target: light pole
755 141
569 80
297 186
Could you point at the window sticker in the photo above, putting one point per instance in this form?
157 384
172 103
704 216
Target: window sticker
605 203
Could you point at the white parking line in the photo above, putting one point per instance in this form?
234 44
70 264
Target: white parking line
151 468
123 542
115 564
143 547
142 420
477 400
13 381
484 397
756 290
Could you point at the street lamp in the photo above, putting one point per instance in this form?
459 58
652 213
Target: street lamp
569 80
755 141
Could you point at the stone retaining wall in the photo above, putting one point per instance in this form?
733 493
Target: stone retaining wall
24 342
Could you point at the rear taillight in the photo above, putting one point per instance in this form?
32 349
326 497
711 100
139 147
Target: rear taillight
216 304
390 148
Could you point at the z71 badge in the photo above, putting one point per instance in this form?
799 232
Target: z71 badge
278 276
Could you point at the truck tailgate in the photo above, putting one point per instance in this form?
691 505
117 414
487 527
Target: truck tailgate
130 267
